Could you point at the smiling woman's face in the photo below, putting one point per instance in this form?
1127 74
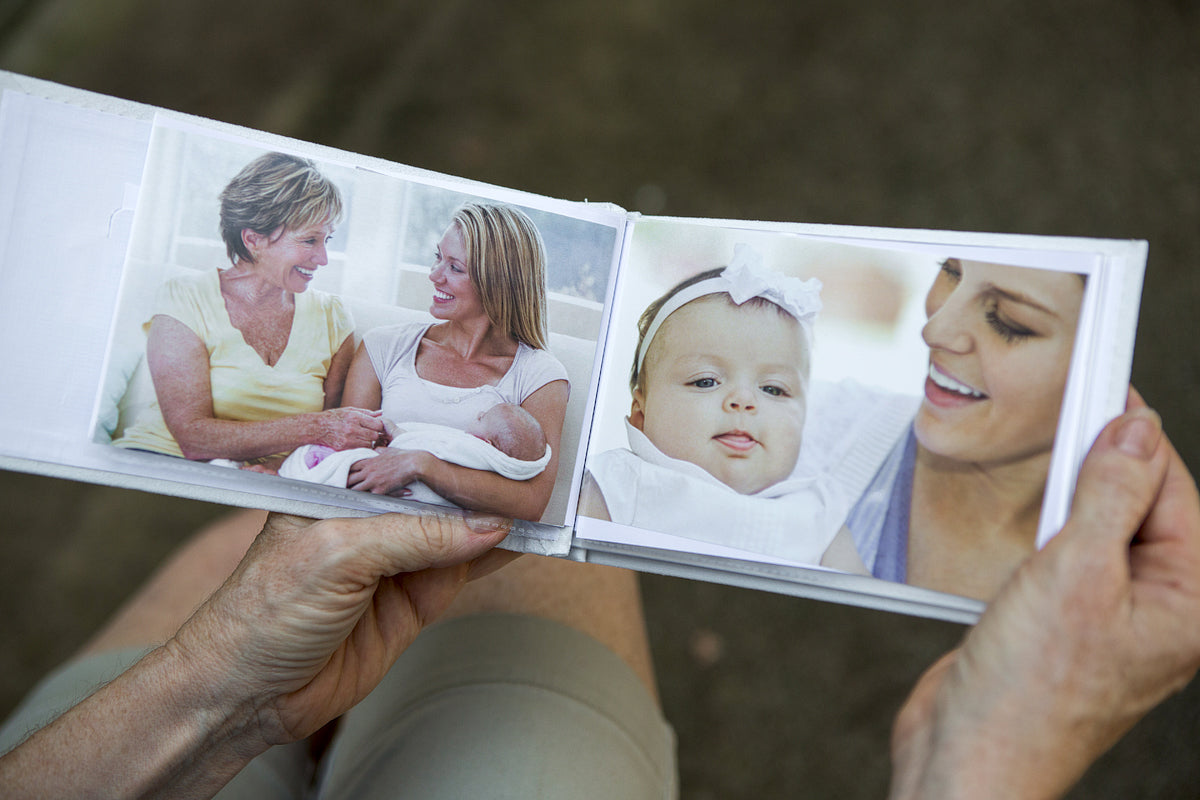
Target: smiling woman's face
1000 340
288 259
454 294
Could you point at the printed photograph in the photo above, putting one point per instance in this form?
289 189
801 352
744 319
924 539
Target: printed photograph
353 330
887 412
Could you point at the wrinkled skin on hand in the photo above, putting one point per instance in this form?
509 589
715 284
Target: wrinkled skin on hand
347 428
317 612
1087 636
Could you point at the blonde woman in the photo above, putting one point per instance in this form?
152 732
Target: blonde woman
488 346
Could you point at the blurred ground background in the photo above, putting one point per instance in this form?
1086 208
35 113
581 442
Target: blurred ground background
1077 117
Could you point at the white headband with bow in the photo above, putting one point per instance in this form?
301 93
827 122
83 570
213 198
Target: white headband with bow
744 278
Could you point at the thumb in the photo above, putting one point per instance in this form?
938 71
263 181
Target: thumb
411 542
1119 480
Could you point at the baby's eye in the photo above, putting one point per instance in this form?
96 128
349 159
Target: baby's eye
703 383
952 269
776 391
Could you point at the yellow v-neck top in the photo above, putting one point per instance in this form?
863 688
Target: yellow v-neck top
244 387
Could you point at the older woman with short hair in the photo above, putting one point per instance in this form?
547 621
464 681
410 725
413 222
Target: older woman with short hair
247 361
488 347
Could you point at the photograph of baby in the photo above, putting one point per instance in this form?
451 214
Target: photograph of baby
801 401
353 329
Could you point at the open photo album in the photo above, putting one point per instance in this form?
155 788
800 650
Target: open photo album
882 417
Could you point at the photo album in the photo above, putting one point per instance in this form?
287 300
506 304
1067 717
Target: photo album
881 417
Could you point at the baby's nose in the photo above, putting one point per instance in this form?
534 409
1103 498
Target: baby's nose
739 400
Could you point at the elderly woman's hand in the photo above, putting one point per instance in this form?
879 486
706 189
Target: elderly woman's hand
317 612
1087 636
347 428
307 625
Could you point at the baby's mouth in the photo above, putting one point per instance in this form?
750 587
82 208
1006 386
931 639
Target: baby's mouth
949 384
739 441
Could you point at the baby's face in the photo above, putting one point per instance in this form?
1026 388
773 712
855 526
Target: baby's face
723 388
511 430
487 426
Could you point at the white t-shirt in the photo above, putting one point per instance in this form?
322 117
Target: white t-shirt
409 397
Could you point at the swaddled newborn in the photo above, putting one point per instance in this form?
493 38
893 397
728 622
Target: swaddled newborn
505 439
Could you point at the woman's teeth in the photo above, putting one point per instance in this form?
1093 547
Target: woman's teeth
949 384
307 273
440 295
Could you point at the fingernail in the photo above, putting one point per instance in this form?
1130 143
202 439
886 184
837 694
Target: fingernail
1139 434
487 523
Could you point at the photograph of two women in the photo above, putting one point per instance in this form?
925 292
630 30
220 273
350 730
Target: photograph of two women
871 407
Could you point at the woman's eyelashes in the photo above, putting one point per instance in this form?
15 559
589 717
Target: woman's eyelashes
952 270
438 259
1005 327
1008 330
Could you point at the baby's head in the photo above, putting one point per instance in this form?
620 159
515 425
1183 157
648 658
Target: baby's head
721 375
512 430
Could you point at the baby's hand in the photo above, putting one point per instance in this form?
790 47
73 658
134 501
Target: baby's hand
316 454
